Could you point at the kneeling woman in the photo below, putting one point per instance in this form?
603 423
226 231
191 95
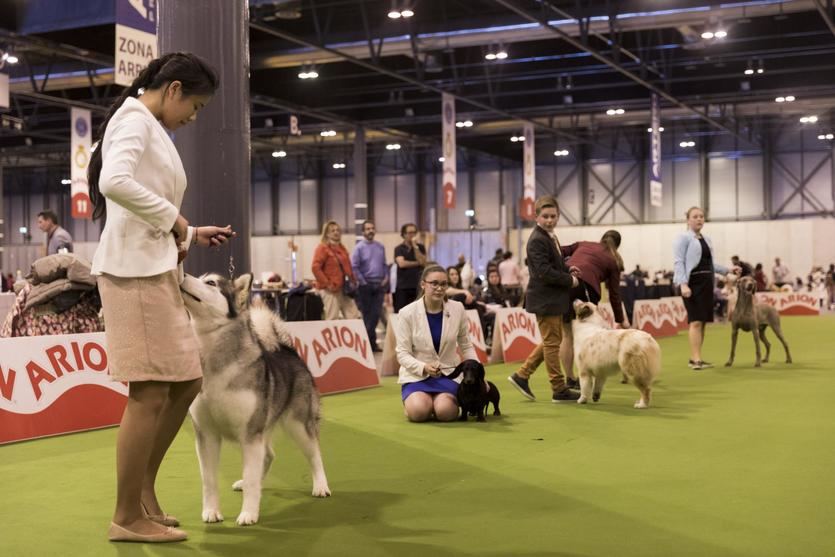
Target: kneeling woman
429 333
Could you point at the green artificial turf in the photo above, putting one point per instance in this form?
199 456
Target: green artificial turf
727 462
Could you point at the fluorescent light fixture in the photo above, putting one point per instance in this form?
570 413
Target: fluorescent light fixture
660 129
808 119
393 147
407 13
687 144
561 153
501 55
707 35
394 14
789 98
10 58
66 182
441 159
490 56
517 138
279 154
760 70
338 165
749 71
464 124
327 133
720 34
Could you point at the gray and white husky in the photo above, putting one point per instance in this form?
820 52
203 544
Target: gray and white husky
253 379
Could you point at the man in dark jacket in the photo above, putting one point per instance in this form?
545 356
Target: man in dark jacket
548 296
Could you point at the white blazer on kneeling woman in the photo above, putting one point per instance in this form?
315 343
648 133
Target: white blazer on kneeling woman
414 340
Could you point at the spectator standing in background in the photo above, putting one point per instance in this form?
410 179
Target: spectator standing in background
410 258
332 268
759 278
511 278
58 240
780 273
369 264
746 269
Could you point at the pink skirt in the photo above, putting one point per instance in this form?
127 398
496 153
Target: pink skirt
148 330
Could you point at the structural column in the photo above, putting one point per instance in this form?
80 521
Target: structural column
216 149
360 189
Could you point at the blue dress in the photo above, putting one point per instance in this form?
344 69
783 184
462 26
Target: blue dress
433 385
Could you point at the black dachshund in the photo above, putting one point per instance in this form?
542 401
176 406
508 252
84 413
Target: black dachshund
474 393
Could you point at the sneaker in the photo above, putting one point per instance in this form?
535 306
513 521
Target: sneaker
521 386
691 364
572 383
565 396
704 365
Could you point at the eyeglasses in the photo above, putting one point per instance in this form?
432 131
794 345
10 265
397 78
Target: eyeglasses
437 285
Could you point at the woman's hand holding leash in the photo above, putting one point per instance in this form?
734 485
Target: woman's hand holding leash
432 370
213 236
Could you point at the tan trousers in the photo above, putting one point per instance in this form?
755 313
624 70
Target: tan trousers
336 303
550 327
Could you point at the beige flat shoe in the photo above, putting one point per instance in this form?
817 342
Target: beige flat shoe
164 519
120 534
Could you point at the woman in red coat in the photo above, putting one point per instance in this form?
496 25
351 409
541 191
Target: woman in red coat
332 269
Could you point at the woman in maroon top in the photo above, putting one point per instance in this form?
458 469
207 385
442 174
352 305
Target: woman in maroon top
598 262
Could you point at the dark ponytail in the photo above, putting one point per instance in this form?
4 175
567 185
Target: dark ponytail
611 239
197 77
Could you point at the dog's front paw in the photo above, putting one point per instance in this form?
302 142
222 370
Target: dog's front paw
582 400
729 364
238 485
758 364
212 515
595 397
788 360
321 490
247 518
641 405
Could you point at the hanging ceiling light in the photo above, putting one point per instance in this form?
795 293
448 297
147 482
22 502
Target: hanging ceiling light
517 138
687 144
308 71
338 165
400 9
808 119
279 154
561 153
660 129
327 133
464 124
614 111
393 147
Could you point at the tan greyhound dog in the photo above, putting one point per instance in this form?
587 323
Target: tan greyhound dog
750 316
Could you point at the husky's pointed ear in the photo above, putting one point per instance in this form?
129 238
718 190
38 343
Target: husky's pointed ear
458 369
584 311
243 287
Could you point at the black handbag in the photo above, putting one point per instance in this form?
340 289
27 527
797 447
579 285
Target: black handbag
349 285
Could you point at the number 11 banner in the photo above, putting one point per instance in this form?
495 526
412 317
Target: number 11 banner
80 142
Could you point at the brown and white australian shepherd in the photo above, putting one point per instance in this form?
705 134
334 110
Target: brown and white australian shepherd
600 352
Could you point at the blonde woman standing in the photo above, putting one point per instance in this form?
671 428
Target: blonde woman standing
694 268
334 276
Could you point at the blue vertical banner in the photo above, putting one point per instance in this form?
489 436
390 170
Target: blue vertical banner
655 189
136 38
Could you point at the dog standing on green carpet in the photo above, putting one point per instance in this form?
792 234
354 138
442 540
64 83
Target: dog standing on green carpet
751 316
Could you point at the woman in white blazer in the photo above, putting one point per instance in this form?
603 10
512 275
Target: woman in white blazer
429 332
137 179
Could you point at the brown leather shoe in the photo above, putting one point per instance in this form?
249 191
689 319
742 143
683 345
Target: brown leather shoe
120 534
164 519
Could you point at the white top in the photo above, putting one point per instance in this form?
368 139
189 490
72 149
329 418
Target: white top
414 340
509 273
143 182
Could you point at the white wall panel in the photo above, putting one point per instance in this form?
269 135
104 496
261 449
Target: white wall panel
385 212
407 199
261 209
750 187
722 196
309 206
784 180
687 186
819 187
288 206
487 199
